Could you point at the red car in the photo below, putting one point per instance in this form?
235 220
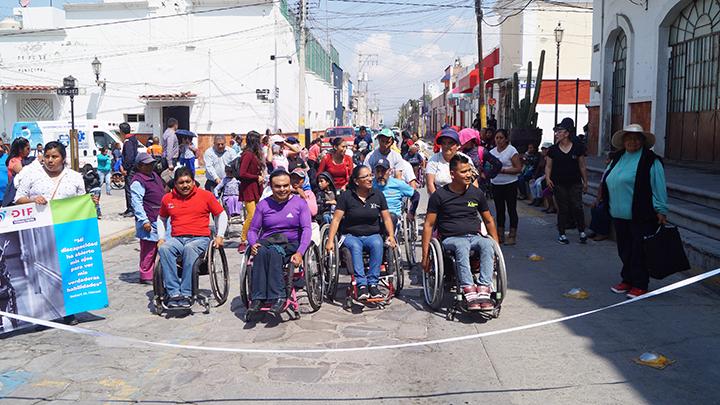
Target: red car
347 133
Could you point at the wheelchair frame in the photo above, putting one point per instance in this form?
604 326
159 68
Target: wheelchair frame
434 282
313 287
206 264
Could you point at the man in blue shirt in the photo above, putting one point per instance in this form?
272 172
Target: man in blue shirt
393 189
363 136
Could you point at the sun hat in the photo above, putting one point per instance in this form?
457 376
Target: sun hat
617 138
468 134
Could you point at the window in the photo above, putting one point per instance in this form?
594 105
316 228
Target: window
134 118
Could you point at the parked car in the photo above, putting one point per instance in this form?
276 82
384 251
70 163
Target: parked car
347 133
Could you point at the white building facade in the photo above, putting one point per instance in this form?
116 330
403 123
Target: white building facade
205 62
658 64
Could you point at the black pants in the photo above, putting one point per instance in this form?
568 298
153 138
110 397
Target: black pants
629 236
569 201
506 196
128 200
600 219
268 275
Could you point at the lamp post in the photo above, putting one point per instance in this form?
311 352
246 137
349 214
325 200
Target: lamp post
558 38
97 68
70 89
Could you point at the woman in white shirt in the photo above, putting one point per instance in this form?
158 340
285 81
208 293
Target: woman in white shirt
504 185
438 166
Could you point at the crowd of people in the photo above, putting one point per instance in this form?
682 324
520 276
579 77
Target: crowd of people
357 188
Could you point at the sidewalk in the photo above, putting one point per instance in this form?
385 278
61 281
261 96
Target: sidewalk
114 229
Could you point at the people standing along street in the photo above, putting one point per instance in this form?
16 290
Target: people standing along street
538 177
386 140
37 153
91 177
104 167
170 144
337 163
147 192
504 186
362 136
486 164
187 150
250 174
566 175
17 158
216 159
129 153
438 166
530 161
154 148
636 193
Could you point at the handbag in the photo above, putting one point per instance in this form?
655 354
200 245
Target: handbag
664 252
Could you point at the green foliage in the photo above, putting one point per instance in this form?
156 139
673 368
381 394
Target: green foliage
523 112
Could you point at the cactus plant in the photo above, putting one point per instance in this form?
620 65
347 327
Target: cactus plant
523 113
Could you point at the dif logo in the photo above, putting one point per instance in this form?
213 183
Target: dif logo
18 215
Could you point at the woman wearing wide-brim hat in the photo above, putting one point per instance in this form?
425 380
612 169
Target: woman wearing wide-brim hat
636 193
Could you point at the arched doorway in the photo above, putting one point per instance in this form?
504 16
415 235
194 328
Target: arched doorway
618 83
693 126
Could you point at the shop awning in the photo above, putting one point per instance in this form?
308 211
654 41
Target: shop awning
445 78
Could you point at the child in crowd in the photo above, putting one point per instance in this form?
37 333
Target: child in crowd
92 185
326 197
415 158
530 161
187 153
229 188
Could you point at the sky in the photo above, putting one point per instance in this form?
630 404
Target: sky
413 43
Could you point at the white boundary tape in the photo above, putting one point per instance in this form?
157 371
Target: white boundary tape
89 332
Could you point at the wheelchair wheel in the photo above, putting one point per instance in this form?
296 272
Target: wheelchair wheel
158 287
245 269
395 268
218 271
330 263
433 286
500 275
408 242
313 277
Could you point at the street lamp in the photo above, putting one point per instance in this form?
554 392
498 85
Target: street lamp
276 90
70 89
558 39
97 68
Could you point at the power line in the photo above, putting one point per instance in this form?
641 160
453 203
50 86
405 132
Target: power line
157 17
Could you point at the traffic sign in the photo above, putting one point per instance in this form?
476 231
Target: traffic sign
491 101
68 91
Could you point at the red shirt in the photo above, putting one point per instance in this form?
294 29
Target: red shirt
248 172
340 172
314 152
189 215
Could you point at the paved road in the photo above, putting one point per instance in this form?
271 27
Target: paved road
587 360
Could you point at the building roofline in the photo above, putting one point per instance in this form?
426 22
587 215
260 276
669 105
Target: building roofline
132 5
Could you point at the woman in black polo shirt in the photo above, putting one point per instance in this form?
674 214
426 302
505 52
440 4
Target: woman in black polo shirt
360 209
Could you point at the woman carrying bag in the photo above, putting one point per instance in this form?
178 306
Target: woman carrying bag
636 194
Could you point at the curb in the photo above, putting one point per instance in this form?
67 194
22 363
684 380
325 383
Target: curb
116 239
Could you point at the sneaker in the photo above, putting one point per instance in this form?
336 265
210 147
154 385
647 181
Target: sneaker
278 306
563 240
484 299
621 288
635 292
471 297
255 306
128 214
174 301
375 292
184 302
362 293
583 237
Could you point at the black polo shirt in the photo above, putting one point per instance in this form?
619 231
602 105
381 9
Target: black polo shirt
457 214
566 166
361 219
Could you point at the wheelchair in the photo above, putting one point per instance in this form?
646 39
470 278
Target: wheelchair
213 263
437 282
407 233
391 280
308 277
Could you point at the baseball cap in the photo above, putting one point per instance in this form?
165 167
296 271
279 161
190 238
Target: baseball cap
449 133
277 139
292 140
387 133
144 158
546 145
298 172
382 163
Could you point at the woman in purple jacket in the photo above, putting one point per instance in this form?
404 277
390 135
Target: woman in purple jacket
279 233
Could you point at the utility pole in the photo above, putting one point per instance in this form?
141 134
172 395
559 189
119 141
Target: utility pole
365 60
481 76
275 87
422 115
301 60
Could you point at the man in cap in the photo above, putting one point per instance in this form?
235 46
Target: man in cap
386 139
393 189
566 175
216 159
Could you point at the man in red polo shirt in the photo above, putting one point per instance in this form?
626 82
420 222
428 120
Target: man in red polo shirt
188 208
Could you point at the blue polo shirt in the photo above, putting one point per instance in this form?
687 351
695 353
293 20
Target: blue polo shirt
394 190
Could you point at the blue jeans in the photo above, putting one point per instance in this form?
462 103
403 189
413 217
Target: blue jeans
461 246
190 248
105 178
327 218
97 191
374 245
